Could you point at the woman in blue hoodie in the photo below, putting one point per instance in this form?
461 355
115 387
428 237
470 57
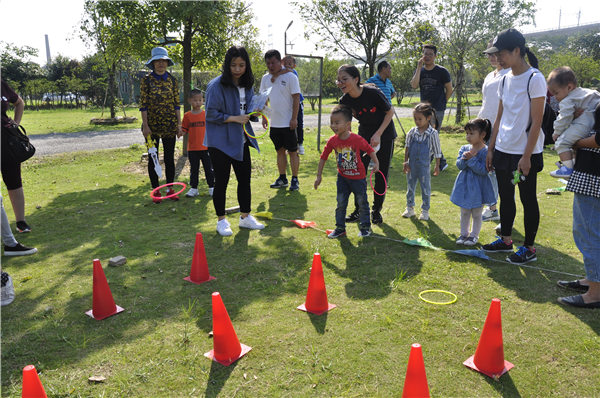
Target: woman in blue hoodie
227 99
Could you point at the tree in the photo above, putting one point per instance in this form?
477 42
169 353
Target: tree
363 30
586 68
16 66
467 26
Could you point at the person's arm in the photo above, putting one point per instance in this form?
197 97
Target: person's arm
375 161
537 112
295 108
566 114
215 106
144 108
19 107
477 165
376 138
275 75
461 162
437 152
414 82
405 166
592 141
449 90
319 172
492 142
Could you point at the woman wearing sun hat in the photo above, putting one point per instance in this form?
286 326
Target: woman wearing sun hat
161 120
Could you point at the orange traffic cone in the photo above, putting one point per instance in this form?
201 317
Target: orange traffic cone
103 304
489 355
415 383
304 224
199 272
316 296
32 386
226 346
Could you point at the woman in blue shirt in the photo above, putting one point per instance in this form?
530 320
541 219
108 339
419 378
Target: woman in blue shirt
227 98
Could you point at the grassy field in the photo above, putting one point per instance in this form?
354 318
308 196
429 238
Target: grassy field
73 120
96 205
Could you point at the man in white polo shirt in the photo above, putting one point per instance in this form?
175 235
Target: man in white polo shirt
285 101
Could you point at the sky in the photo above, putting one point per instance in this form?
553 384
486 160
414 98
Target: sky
30 20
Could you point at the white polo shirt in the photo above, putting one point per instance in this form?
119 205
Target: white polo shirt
281 101
516 111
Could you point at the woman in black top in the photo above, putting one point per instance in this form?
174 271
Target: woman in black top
374 114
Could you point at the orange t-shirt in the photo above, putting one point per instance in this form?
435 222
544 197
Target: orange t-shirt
194 124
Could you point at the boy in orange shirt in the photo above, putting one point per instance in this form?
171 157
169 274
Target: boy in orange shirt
194 126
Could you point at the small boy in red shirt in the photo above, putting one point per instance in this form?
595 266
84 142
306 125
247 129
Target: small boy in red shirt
193 125
351 171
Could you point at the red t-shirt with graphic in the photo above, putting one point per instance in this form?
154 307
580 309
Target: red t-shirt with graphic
347 154
194 124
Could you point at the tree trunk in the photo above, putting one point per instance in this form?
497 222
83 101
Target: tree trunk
111 89
187 72
460 77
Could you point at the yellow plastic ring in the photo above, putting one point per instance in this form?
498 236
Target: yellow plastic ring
268 125
437 302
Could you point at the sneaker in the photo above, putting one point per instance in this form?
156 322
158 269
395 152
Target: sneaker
522 255
498 246
22 227
192 192
171 192
363 233
300 149
562 172
424 215
211 190
461 240
295 185
250 223
18 250
156 198
224 228
8 290
489 215
444 166
353 217
376 217
409 212
338 233
470 241
280 183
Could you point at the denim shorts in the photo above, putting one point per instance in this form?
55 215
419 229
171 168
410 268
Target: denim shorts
586 233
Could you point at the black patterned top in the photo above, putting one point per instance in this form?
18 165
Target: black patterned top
585 179
159 96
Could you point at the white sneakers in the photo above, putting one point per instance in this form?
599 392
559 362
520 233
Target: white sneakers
409 212
224 228
300 149
192 192
250 223
424 215
211 190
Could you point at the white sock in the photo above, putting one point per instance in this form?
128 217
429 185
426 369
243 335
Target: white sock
568 163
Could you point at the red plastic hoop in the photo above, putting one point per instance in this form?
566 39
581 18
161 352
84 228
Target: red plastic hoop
266 131
384 182
168 185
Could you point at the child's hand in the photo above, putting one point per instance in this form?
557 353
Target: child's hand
264 123
375 168
406 168
317 182
242 119
468 155
554 137
273 78
436 171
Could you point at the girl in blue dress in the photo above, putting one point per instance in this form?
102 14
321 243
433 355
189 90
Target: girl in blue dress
473 187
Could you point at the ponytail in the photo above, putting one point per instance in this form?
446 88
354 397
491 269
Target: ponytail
533 61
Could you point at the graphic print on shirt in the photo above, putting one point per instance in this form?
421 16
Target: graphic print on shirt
347 161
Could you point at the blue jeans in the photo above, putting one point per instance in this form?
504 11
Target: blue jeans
346 186
421 174
586 233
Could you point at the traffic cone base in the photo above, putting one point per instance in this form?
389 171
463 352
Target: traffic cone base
329 308
91 314
245 350
471 364
189 279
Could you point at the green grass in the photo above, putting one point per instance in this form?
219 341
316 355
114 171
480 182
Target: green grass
96 205
73 120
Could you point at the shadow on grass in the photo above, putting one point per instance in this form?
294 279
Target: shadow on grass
47 326
505 385
217 378
319 321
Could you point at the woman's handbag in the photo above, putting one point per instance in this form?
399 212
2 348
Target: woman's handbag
16 144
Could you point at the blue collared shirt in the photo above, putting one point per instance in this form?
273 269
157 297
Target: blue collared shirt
384 85
162 77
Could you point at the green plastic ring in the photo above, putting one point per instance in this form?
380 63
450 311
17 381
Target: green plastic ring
268 125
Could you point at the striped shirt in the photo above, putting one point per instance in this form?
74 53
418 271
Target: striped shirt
435 148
